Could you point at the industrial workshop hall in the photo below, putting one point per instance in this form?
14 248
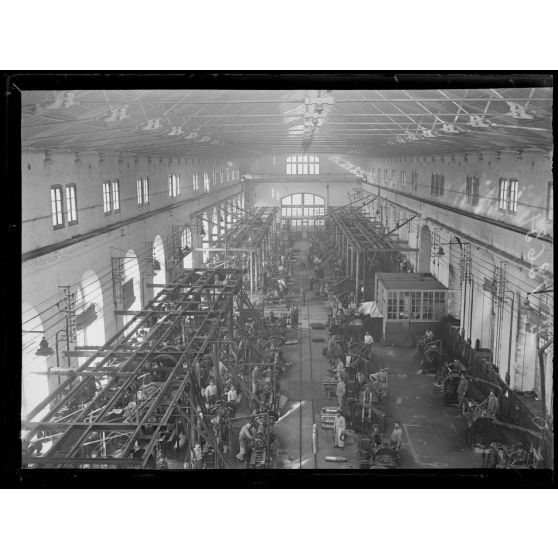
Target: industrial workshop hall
282 278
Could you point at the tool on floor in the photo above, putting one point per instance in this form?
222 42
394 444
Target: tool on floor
335 458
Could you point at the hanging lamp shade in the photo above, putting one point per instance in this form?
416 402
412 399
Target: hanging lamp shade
44 349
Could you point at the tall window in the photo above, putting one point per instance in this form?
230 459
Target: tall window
195 183
549 203
403 179
503 194
174 185
111 196
71 204
303 164
107 198
221 177
437 185
115 187
228 174
385 176
57 206
475 200
512 195
393 177
142 186
414 180
472 190
206 181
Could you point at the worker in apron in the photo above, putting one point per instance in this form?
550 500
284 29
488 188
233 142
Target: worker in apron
339 426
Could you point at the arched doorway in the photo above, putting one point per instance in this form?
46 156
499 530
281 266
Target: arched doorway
34 387
186 244
90 329
425 249
131 287
159 264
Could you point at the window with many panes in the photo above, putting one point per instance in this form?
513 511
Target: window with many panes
303 164
142 188
392 306
174 185
195 183
57 206
206 181
71 204
302 205
404 298
427 305
415 305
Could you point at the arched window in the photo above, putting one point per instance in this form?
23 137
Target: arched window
303 210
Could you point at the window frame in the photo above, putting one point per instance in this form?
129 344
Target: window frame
195 182
475 188
142 190
174 185
107 197
115 195
57 207
503 194
71 204
513 195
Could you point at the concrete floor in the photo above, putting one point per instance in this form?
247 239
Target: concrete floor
434 434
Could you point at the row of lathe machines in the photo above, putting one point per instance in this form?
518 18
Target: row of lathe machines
191 381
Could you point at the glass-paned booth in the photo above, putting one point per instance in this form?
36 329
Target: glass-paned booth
410 303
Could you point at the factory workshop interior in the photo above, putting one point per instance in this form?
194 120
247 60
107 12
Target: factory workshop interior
287 279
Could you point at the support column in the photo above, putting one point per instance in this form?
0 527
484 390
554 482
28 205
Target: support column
357 277
251 274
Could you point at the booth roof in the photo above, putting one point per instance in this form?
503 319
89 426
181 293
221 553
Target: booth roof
410 282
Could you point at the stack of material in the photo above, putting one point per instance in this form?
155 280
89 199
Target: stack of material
327 417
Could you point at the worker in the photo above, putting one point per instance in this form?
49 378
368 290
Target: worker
368 341
462 388
376 435
340 391
232 398
311 283
340 373
396 436
196 456
211 392
303 295
331 349
245 436
294 316
492 404
339 426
